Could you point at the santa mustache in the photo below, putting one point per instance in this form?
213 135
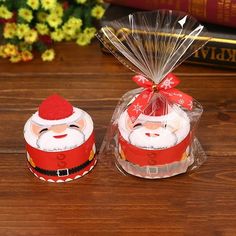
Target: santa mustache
51 141
160 138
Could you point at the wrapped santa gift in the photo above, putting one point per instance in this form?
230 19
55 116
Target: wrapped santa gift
157 143
152 131
59 141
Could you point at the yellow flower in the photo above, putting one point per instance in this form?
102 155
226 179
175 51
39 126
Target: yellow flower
26 14
83 39
42 28
16 58
75 22
42 16
26 56
72 27
54 20
2 53
9 30
69 30
58 10
21 30
57 35
68 37
34 4
97 11
90 31
31 36
48 4
10 50
5 13
81 1
48 55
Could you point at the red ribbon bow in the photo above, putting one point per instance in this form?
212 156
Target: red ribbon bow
165 87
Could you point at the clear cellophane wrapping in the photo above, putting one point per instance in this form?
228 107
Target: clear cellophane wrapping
160 141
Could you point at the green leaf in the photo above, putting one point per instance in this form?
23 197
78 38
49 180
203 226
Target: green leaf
20 20
14 40
87 18
19 4
77 12
40 46
67 13
25 46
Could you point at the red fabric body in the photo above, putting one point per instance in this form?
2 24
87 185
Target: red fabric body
144 157
64 178
61 159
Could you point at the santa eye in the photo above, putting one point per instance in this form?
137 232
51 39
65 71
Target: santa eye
43 130
137 125
74 126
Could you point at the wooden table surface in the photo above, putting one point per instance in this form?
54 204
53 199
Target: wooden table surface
105 202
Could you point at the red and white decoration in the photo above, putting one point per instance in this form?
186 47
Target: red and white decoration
59 141
165 88
154 135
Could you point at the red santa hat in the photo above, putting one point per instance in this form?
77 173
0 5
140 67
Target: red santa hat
156 110
55 110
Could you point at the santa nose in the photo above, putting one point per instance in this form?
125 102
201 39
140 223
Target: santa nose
58 128
152 134
152 125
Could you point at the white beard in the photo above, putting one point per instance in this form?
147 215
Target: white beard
47 142
165 139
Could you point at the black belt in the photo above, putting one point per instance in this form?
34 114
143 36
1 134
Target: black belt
62 172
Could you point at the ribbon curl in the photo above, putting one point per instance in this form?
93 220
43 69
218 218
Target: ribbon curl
166 87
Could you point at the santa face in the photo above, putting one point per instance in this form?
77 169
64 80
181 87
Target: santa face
152 135
60 136
154 132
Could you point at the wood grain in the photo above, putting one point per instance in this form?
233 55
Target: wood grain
71 60
105 202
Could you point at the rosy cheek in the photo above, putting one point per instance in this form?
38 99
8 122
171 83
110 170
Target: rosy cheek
35 128
81 124
129 124
175 126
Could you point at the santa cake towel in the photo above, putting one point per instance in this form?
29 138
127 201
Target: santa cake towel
152 131
59 141
156 145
